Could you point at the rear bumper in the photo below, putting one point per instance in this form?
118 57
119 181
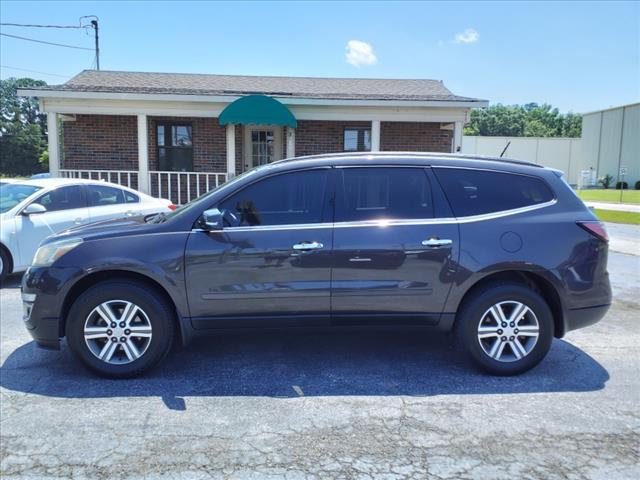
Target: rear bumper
583 317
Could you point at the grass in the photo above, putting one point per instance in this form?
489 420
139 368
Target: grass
615 216
610 195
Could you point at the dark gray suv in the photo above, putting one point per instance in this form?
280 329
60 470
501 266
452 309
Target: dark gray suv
500 252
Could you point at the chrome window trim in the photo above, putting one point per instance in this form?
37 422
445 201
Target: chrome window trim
392 223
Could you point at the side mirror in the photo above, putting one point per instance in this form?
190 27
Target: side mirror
33 209
212 219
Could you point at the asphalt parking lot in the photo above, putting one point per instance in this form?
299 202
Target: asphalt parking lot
354 405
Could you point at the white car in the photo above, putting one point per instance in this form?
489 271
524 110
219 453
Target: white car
31 210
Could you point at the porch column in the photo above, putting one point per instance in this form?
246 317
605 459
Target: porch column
457 137
143 154
291 142
231 150
54 148
375 135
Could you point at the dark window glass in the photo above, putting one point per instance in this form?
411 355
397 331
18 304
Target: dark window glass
384 193
131 197
100 195
357 139
63 198
475 192
290 198
175 147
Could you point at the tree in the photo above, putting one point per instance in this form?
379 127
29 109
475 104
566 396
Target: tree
529 120
22 129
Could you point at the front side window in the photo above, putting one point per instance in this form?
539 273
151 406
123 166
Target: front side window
287 199
384 193
175 147
63 198
476 192
101 195
357 139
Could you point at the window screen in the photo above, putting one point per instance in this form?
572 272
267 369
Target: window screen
475 192
287 199
384 193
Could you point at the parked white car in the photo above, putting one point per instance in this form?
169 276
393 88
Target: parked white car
31 210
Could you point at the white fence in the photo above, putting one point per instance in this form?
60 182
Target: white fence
128 178
562 153
179 187
182 187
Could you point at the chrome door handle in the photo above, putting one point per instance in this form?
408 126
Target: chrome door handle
78 221
308 246
437 242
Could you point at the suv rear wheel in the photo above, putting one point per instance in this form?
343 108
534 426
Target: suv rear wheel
120 329
506 329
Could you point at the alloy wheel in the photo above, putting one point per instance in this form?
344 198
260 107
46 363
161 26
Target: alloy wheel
508 331
117 332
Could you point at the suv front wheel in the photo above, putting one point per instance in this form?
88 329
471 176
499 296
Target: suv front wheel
507 329
120 329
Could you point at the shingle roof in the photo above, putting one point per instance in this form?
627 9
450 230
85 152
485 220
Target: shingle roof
233 85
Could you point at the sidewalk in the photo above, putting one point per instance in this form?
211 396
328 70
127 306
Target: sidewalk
621 207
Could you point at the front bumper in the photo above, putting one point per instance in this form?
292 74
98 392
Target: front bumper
43 293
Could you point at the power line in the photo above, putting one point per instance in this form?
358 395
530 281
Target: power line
46 43
34 71
41 26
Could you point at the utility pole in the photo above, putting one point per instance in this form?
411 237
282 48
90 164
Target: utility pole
94 23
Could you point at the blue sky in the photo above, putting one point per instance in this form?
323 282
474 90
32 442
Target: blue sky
579 56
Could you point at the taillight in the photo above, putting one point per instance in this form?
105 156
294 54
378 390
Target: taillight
172 207
596 229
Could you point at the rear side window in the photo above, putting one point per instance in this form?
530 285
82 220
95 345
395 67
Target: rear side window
377 193
100 195
476 192
131 197
287 199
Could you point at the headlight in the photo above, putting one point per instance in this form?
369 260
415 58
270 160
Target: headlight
47 254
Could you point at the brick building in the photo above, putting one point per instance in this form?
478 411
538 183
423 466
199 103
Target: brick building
178 135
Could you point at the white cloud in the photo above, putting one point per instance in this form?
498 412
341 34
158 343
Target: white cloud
360 53
470 35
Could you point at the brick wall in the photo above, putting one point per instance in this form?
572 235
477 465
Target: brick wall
319 136
108 142
414 137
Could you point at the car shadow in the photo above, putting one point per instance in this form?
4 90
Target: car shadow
303 364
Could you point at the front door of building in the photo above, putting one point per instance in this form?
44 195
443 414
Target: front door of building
262 145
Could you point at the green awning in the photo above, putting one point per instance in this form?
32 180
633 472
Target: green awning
257 110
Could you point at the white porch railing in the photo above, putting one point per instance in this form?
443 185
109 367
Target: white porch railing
128 178
182 187
179 187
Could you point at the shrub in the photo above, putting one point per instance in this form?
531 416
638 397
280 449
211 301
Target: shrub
622 185
638 185
605 181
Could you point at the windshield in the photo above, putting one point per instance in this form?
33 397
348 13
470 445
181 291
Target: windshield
11 194
198 201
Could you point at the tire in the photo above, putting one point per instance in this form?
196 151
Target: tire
141 338
483 338
5 264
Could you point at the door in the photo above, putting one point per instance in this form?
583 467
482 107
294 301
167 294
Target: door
106 202
262 145
273 263
393 260
66 208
